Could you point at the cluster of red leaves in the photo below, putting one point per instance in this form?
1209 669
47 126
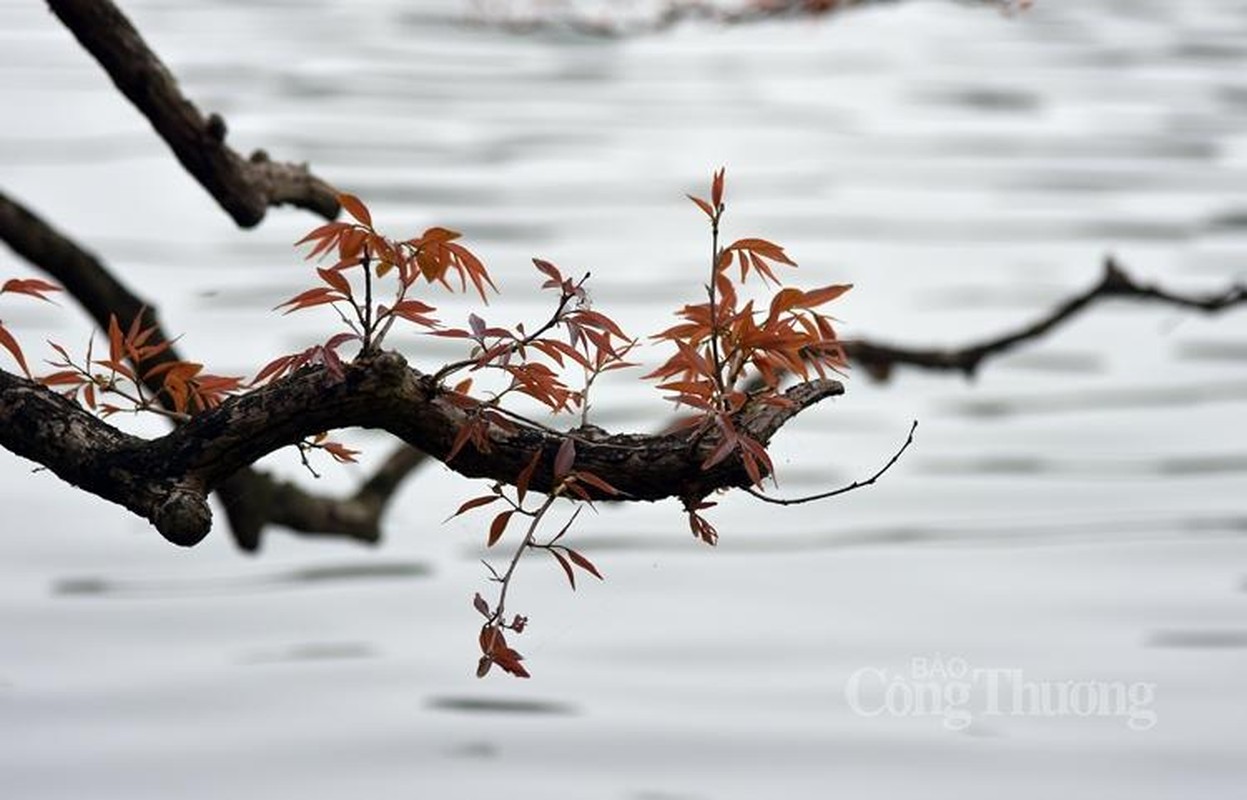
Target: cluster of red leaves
366 255
592 341
184 387
27 286
723 340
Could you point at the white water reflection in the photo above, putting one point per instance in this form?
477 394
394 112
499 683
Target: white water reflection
1075 512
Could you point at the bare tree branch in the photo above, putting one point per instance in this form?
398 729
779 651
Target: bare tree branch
880 359
167 480
252 498
568 16
245 188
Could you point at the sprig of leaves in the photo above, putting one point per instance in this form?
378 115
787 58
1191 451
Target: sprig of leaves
722 341
32 287
184 388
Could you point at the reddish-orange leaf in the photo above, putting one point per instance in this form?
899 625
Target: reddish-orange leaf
764 248
785 300
116 344
9 343
323 231
31 286
716 187
335 279
63 378
816 297
414 311
356 208
550 271
312 297
601 321
340 453
703 205
434 235
759 266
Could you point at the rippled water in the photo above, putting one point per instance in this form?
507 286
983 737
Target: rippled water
1076 512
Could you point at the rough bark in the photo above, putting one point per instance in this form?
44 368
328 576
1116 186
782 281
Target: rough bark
167 480
252 498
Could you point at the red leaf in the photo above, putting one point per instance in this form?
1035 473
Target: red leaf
9 343
480 605
816 297
335 279
31 286
498 526
584 563
312 297
595 320
340 453
475 502
275 368
526 475
323 232
356 208
716 187
64 377
115 340
567 568
549 270
703 205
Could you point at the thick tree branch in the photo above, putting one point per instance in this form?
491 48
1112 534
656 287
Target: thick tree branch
244 187
252 498
167 480
880 359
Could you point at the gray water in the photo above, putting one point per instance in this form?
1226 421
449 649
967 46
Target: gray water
1075 513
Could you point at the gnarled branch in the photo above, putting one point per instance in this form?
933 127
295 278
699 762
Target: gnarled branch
252 498
244 187
880 359
167 480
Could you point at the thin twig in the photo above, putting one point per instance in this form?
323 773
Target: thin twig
843 489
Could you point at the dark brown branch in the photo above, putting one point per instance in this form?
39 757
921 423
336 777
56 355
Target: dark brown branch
565 16
244 187
880 359
252 498
167 480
